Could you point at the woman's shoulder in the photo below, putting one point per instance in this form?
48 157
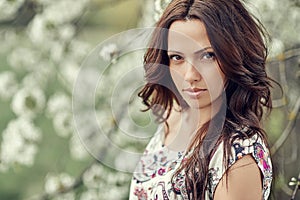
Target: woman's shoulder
241 146
254 146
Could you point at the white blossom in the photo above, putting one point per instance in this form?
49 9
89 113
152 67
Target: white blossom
52 184
39 77
8 84
28 101
18 143
40 32
54 23
63 124
111 179
94 175
59 102
126 161
24 128
69 69
9 8
64 11
105 120
28 153
90 194
56 183
159 7
277 47
23 58
9 40
289 29
109 53
114 192
77 149
87 128
104 89
262 5
57 51
121 138
66 32
47 2
27 130
65 196
78 50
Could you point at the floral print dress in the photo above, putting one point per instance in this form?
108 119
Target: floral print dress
152 179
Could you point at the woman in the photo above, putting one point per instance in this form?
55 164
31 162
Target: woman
207 86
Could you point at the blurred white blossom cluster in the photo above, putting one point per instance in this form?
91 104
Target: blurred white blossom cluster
59 183
44 59
104 184
281 19
99 183
19 143
45 50
43 55
9 8
159 7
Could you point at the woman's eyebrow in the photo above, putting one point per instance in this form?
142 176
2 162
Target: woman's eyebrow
174 51
202 50
196 52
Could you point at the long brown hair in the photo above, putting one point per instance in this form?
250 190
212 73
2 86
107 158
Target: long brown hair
238 40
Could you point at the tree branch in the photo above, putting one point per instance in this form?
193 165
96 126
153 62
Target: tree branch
297 187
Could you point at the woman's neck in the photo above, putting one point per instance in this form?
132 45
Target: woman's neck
185 123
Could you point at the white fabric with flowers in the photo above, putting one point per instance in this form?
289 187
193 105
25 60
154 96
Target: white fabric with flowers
152 179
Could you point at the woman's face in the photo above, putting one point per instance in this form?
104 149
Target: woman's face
193 65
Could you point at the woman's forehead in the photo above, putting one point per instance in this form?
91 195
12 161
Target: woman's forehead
188 35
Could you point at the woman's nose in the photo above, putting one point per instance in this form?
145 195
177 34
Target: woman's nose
191 73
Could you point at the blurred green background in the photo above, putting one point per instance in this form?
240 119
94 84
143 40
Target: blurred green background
99 20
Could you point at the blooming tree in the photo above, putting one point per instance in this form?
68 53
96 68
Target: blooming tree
49 75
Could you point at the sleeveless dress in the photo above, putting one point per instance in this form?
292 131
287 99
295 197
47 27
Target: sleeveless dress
153 174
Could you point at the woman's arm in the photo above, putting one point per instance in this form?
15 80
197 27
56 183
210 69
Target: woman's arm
244 181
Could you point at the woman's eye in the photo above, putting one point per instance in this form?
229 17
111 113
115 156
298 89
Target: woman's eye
209 56
175 57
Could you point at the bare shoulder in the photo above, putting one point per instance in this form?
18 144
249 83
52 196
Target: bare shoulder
243 181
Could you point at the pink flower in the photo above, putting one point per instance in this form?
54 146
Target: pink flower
265 164
140 193
161 171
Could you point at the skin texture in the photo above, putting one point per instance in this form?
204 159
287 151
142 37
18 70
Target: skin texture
192 65
191 69
244 182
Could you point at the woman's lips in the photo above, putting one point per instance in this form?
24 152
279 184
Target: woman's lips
194 93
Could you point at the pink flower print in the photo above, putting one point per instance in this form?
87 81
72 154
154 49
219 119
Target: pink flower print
260 153
262 158
140 193
265 165
161 171
161 157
